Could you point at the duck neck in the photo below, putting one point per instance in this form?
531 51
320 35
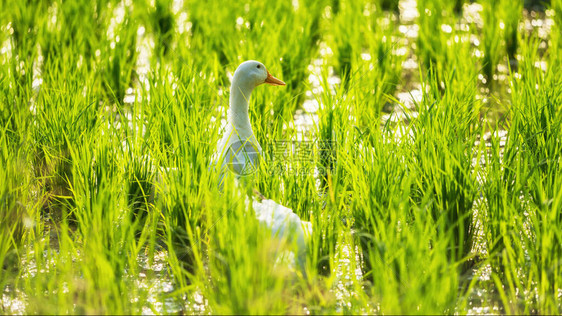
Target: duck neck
238 116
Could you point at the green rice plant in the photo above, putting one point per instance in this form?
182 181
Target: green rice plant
62 113
328 216
555 37
187 210
163 22
90 34
491 34
376 80
293 39
537 123
120 59
432 40
209 40
390 5
393 177
501 190
404 263
326 227
103 43
14 218
26 20
173 119
290 164
349 41
443 140
363 31
88 253
140 174
332 133
227 245
544 274
65 40
294 168
459 6
331 123
366 54
378 173
185 225
512 12
239 242
14 114
97 41
184 189
400 254
4 17
17 75
62 32
290 37
521 189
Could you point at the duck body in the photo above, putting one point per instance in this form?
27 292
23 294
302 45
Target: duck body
286 225
240 152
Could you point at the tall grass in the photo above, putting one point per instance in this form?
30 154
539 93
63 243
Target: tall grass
490 43
108 204
535 133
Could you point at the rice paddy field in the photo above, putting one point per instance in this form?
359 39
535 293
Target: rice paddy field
422 139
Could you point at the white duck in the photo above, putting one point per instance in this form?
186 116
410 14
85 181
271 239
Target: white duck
239 151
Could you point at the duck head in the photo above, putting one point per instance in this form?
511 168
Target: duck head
251 74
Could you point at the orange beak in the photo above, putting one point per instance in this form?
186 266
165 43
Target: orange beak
273 81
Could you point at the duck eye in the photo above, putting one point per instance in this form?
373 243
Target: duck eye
259 66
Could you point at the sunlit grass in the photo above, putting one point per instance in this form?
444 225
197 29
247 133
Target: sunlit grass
110 112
